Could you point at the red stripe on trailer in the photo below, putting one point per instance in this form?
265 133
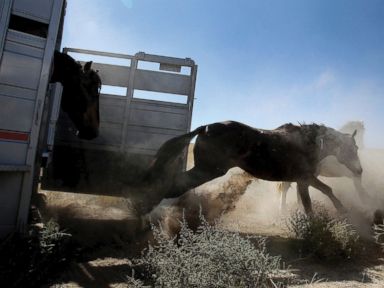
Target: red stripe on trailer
14 136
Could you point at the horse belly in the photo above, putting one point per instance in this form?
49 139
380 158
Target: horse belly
271 169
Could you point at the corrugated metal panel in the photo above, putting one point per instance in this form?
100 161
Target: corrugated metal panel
152 116
146 140
19 111
26 39
5 8
39 10
12 152
24 71
9 197
20 70
114 75
17 92
162 82
112 109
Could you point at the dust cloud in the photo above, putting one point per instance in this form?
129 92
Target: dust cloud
239 200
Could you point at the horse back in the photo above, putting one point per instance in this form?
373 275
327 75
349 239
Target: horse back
267 154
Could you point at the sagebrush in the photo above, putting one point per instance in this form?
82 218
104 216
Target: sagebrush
26 260
208 257
328 238
378 234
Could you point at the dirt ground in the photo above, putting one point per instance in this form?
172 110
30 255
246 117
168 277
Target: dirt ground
107 228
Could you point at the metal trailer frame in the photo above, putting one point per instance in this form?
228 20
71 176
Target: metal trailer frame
132 127
29 112
131 124
25 65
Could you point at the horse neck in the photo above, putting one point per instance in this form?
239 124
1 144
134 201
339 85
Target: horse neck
328 142
65 70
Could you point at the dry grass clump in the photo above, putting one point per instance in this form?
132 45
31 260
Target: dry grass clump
26 260
378 234
323 236
209 257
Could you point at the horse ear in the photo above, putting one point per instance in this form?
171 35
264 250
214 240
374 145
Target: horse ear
354 133
87 66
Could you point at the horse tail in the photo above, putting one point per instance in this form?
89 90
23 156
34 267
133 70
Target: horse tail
170 150
279 187
283 186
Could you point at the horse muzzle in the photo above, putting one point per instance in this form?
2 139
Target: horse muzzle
88 134
357 171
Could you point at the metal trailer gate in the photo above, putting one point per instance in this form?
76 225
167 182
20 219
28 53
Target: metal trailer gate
28 36
154 104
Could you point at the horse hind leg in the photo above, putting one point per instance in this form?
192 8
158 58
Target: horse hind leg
316 183
303 194
193 178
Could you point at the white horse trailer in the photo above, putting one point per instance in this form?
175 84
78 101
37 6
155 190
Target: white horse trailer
28 36
146 99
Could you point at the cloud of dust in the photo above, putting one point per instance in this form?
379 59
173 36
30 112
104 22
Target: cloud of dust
257 210
238 199
213 200
91 219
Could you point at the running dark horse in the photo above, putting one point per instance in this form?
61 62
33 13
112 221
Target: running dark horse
81 91
288 153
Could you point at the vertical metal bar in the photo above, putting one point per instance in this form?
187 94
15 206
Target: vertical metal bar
191 95
127 108
28 179
5 12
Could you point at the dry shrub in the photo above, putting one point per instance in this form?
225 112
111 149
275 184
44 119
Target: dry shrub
378 234
209 257
26 260
323 236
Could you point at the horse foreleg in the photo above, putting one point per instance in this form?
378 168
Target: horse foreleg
191 179
364 197
303 194
316 183
299 200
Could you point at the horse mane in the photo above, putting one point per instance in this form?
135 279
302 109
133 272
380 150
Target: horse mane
318 130
289 127
69 67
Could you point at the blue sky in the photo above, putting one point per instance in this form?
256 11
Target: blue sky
263 63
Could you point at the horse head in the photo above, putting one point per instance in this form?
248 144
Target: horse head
81 92
91 117
357 126
344 147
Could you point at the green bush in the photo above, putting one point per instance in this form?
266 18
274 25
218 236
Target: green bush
209 257
327 238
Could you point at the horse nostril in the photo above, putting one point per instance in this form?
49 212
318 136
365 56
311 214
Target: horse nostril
359 171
